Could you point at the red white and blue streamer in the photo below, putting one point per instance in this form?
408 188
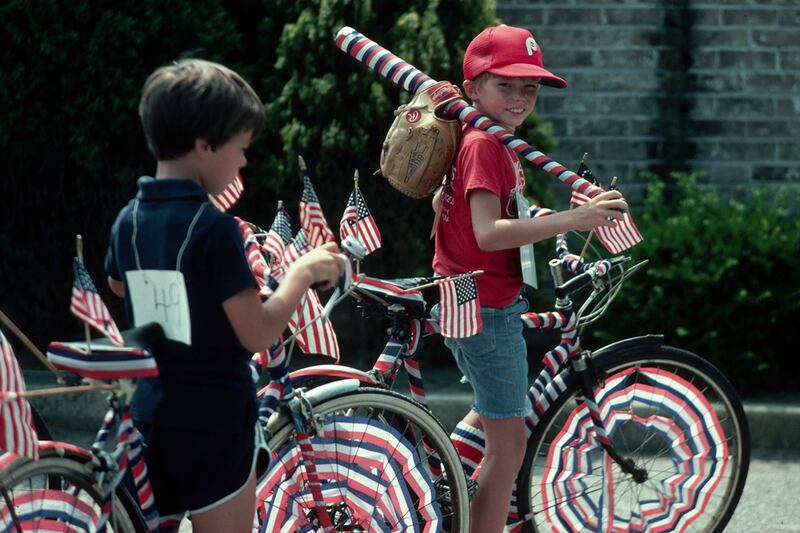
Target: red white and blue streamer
675 413
363 466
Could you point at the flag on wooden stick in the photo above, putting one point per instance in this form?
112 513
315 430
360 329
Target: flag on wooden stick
459 308
278 238
312 219
358 222
87 304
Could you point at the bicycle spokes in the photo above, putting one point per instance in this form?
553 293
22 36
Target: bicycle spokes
661 423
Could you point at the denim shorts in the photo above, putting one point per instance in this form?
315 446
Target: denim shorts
495 362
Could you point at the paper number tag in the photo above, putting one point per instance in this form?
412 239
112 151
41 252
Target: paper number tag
160 296
526 250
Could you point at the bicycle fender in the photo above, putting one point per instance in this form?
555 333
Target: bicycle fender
631 344
334 371
319 394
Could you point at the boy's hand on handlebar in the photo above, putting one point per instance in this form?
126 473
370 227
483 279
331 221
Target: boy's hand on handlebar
323 264
602 210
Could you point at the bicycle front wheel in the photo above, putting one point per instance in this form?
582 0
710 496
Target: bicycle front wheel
384 463
669 412
58 494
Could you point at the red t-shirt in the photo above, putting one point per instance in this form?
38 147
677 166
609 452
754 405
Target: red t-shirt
482 163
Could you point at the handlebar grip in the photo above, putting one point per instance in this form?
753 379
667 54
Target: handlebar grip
575 284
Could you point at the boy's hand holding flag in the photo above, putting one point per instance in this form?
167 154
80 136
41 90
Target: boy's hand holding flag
617 239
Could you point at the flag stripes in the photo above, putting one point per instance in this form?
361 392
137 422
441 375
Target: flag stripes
225 200
359 223
459 308
319 337
312 219
17 434
87 304
278 238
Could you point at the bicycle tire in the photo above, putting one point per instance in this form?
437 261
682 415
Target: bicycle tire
670 411
370 460
60 491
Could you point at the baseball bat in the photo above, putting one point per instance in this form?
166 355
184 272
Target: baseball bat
415 81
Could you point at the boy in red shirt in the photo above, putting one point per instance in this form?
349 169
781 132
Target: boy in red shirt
478 229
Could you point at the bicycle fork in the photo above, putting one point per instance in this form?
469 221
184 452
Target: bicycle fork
302 416
586 375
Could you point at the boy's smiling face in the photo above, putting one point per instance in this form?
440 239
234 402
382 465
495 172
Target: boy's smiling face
508 101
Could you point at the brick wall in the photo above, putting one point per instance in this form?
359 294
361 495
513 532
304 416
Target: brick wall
661 85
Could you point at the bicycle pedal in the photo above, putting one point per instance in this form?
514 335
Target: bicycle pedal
443 488
472 488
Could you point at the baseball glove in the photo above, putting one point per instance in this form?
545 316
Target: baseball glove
421 144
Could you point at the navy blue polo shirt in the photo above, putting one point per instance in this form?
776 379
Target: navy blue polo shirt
207 385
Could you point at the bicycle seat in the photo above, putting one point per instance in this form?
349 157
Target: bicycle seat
395 292
101 359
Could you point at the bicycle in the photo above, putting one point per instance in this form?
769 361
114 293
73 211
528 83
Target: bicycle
634 436
343 459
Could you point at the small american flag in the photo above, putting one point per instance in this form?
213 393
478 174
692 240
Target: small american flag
312 219
621 237
17 434
298 247
359 223
225 200
255 258
459 314
578 198
87 305
278 237
319 337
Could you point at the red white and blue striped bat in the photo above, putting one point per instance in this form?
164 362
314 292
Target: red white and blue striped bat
415 81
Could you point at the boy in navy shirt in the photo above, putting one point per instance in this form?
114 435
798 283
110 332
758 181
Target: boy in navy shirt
178 261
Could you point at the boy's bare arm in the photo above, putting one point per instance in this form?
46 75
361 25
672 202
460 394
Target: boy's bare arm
258 325
492 232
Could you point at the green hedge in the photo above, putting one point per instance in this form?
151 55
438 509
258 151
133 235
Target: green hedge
723 280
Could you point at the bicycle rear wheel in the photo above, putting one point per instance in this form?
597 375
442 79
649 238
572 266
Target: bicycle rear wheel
384 463
58 494
670 412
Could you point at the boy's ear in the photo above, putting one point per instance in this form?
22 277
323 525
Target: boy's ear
470 89
202 146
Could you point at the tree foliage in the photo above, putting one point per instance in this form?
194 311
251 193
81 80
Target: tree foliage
72 144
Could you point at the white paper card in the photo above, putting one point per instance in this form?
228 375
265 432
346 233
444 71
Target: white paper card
526 251
160 296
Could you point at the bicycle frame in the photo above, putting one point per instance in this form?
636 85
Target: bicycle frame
566 362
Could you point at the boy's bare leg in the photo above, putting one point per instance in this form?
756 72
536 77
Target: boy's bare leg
505 451
234 516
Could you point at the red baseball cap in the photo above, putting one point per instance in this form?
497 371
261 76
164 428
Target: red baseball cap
510 52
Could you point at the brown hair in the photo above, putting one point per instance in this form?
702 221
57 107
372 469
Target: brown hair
196 99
